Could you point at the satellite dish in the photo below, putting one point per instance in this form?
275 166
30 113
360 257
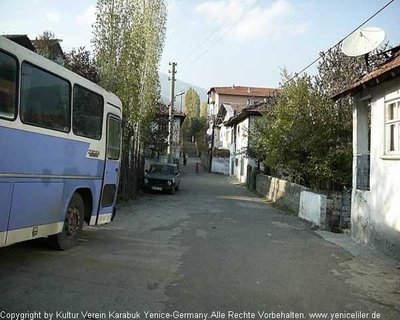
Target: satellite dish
363 41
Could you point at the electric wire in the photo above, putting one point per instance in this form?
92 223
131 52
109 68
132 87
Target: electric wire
331 48
215 31
223 35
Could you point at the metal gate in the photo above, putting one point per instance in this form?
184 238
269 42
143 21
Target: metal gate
345 210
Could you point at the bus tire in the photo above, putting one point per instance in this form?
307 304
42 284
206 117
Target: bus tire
73 224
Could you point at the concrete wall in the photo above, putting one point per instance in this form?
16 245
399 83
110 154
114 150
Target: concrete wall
375 212
220 165
312 208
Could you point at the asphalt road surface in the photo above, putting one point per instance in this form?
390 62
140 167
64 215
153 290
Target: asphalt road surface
212 250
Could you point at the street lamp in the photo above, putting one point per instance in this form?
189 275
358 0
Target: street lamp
171 126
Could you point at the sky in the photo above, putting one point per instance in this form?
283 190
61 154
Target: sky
221 42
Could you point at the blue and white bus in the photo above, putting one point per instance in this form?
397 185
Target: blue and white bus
60 149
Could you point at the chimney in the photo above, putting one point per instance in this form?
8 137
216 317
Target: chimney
249 89
233 86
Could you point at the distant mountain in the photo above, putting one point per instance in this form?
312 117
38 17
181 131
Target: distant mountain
179 86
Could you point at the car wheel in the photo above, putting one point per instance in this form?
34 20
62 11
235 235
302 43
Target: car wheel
72 227
177 188
172 191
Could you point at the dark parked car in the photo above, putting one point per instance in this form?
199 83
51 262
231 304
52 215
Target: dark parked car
163 177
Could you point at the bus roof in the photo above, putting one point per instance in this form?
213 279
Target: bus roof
25 54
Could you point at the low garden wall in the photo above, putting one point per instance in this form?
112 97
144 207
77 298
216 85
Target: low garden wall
320 208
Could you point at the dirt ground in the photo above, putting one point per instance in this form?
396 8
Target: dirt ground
214 246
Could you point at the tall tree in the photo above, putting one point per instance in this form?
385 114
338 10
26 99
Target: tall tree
192 103
80 61
203 111
128 40
47 45
307 135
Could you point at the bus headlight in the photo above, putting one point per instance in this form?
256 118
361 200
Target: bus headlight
146 181
169 182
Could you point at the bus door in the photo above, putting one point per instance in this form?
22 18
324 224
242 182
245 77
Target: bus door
112 169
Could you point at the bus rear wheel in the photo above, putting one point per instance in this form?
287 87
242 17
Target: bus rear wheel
73 224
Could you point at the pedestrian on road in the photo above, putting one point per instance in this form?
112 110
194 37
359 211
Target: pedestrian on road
197 167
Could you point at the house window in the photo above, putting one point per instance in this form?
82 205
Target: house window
392 127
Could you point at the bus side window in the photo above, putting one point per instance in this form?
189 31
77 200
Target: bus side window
8 86
45 99
87 115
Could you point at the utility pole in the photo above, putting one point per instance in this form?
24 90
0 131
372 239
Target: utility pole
212 143
171 112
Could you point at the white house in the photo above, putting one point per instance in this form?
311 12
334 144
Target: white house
375 206
224 103
241 125
235 95
224 134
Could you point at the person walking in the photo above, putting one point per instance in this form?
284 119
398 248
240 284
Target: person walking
197 168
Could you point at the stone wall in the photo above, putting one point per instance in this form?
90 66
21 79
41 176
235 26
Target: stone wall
284 193
333 204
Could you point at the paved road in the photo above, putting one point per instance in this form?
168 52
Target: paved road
213 246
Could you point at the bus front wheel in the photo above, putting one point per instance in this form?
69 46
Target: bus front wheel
73 224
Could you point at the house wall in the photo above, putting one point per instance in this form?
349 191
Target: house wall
218 99
176 148
220 165
239 160
376 212
224 137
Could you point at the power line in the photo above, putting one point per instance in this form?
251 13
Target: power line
211 34
330 49
229 29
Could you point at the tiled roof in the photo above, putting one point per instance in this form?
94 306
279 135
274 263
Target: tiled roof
254 109
388 70
245 91
237 107
22 40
